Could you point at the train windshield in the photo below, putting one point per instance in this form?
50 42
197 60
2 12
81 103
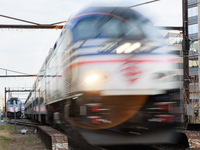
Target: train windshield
112 27
11 102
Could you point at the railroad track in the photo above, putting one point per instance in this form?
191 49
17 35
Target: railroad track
76 142
73 142
24 123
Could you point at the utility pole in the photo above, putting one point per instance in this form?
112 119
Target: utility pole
185 59
5 104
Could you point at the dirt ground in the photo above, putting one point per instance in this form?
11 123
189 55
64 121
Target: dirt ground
14 140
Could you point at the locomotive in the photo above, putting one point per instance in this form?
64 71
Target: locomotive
111 77
10 107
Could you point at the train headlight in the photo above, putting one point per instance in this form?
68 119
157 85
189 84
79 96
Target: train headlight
133 47
128 47
91 78
122 48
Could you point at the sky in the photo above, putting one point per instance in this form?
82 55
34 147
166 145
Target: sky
24 50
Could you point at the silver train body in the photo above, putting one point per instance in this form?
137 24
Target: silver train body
111 77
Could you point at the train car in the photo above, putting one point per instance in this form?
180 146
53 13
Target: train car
110 77
10 107
22 109
35 107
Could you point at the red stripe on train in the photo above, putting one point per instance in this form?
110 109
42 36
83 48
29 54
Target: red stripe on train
118 60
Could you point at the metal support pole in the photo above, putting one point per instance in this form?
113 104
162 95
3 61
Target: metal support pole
5 104
185 59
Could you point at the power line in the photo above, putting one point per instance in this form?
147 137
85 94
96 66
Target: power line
13 71
169 28
19 19
174 38
144 3
52 25
6 76
47 26
37 24
43 26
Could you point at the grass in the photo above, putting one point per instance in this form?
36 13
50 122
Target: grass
37 141
6 128
28 140
14 140
4 140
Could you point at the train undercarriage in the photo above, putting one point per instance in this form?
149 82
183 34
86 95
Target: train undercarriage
111 120
11 114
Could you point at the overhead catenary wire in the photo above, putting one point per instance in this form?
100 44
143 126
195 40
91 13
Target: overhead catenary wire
19 19
144 3
56 23
14 71
25 74
57 26
174 38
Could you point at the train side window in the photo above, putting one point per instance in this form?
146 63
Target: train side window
35 102
41 100
55 45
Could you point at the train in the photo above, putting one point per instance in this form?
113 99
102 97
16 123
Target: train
10 107
22 109
111 79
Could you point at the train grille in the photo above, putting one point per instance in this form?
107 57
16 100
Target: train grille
68 81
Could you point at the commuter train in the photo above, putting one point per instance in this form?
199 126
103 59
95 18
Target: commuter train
111 77
10 107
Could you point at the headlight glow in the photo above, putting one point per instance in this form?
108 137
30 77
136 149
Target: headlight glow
123 47
91 78
133 47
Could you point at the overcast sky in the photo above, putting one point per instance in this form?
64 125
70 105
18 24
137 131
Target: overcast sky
25 50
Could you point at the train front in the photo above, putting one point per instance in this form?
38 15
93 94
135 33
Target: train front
124 79
11 109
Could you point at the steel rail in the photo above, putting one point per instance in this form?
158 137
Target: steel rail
24 124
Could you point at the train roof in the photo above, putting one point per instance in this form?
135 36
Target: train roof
124 12
13 98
